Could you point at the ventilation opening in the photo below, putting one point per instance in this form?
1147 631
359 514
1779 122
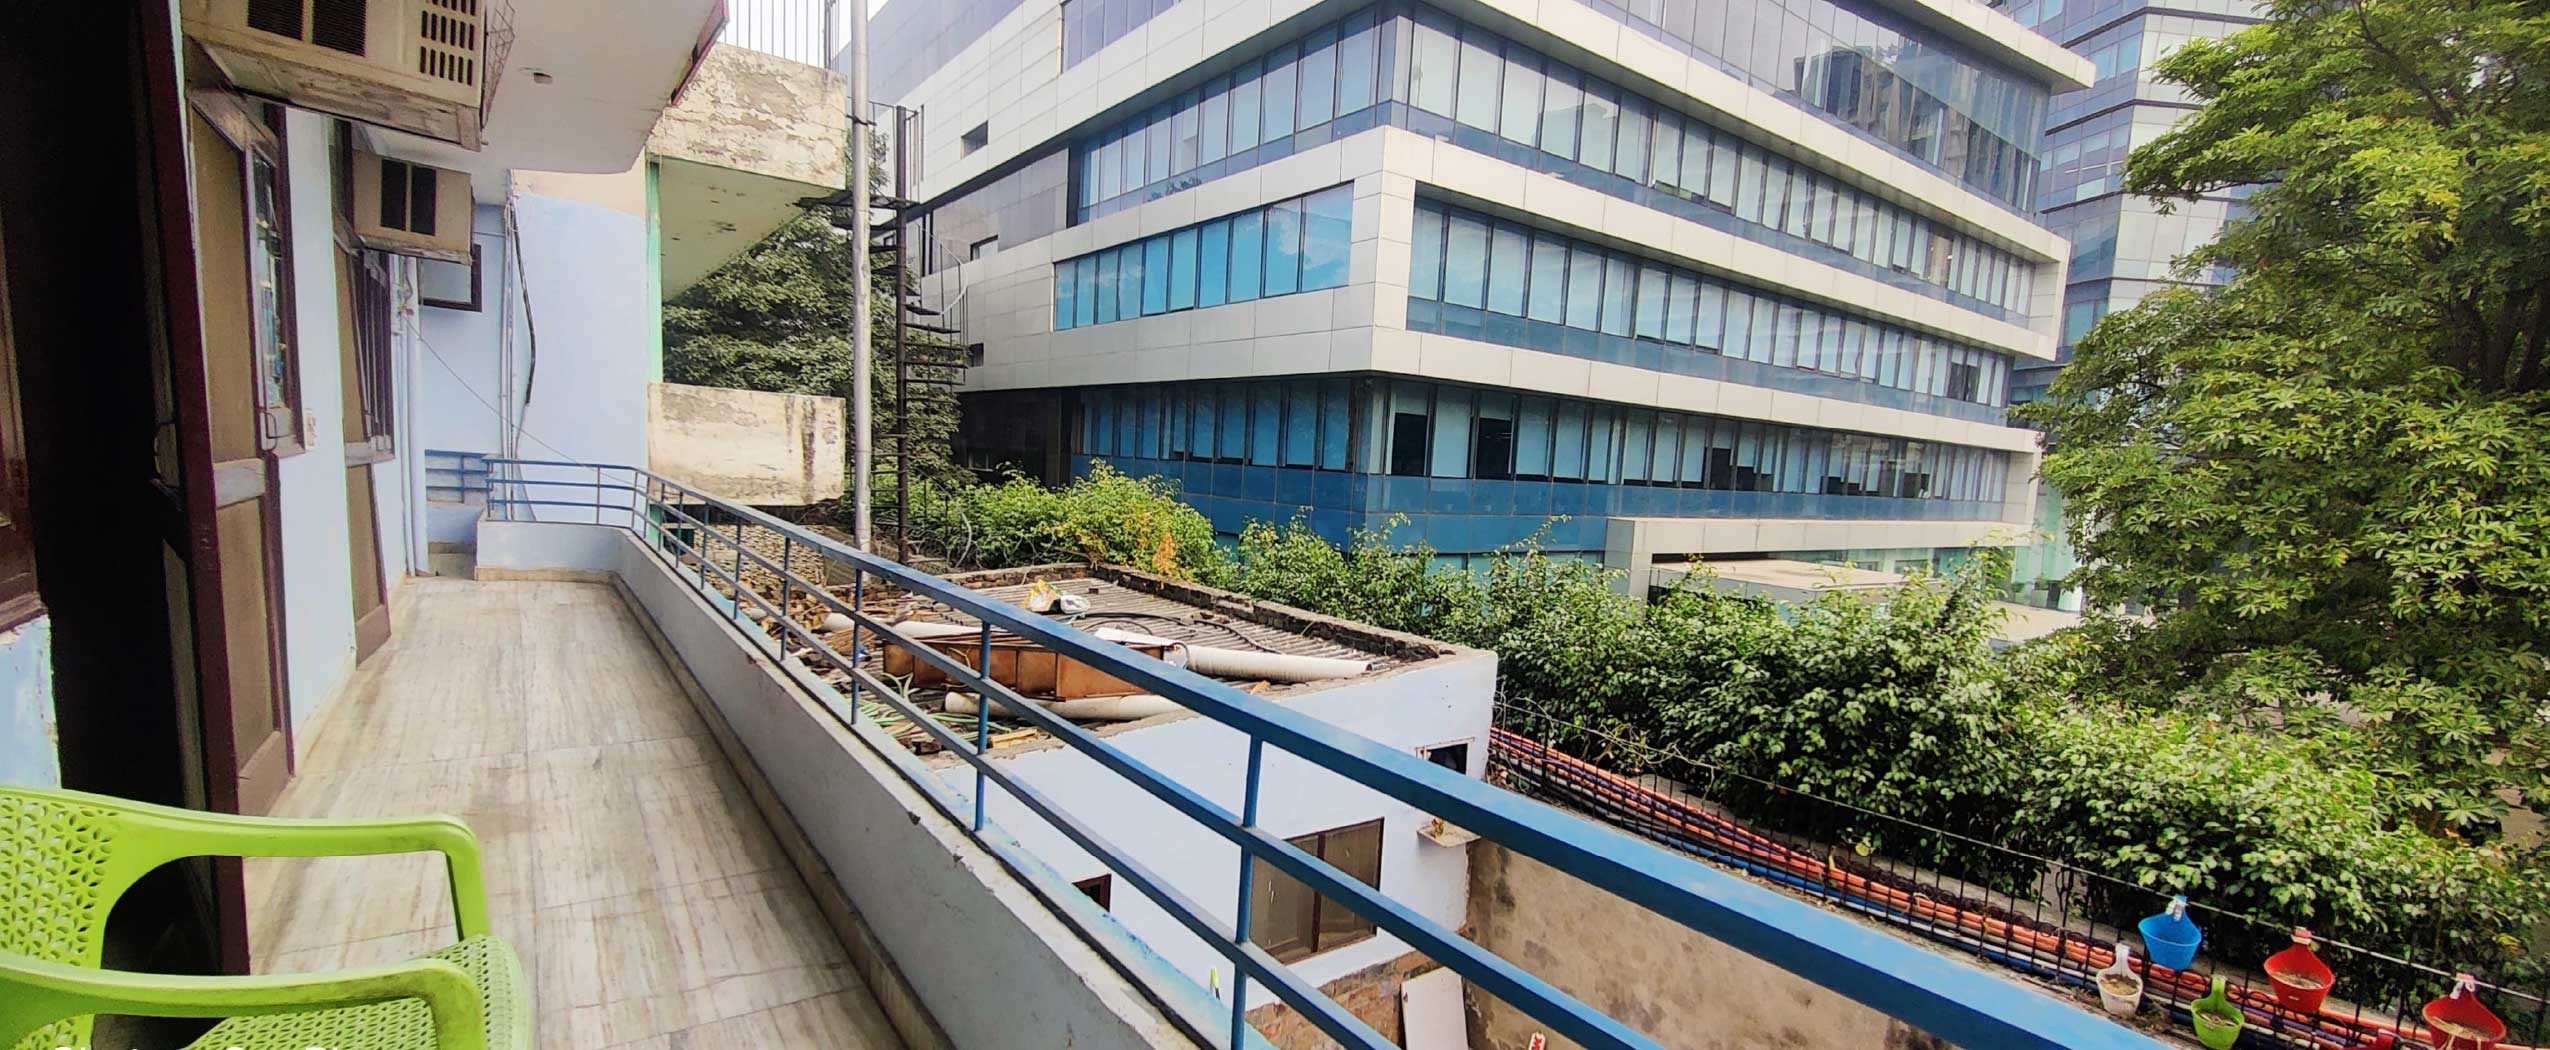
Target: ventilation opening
340 25
978 138
280 17
407 197
447 40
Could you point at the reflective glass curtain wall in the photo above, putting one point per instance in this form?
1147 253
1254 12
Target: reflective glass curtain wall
1413 67
1299 245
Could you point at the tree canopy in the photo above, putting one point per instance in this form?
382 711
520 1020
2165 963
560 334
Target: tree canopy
2329 479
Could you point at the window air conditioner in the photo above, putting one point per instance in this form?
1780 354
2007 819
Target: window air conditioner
411 209
414 65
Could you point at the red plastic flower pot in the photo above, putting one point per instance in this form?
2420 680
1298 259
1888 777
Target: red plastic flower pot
2301 980
2458 1022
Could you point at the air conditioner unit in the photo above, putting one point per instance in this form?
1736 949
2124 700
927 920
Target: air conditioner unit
410 209
414 65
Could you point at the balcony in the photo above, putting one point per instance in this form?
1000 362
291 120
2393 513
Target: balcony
627 863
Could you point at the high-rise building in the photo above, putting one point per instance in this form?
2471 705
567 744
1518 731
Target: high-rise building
2123 247
1692 279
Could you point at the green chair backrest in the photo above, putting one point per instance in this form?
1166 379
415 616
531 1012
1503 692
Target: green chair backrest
64 863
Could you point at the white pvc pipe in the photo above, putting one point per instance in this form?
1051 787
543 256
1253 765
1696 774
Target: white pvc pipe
1086 709
1271 667
925 630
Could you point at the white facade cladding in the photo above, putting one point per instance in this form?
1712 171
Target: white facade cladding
1507 269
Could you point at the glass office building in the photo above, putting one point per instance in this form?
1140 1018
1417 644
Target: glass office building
2123 248
1689 277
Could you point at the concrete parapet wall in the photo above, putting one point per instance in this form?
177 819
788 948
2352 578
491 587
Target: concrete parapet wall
763 449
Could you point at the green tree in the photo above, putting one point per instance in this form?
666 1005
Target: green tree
2329 480
776 318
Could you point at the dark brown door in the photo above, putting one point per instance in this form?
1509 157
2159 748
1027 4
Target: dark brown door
242 270
362 309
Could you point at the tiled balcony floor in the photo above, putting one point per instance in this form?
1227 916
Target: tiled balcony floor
625 862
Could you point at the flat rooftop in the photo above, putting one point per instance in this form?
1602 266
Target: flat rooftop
1785 579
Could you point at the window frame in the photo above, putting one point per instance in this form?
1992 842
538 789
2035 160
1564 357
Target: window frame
1269 881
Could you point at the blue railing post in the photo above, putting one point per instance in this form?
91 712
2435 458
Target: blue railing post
982 719
597 495
1248 889
859 607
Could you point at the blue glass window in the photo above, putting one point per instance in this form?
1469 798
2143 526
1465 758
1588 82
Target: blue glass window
1549 278
1508 253
1521 116
1086 312
1477 101
1436 58
1358 59
1234 444
1266 424
1561 106
1214 288
1425 255
1109 272
1532 438
1129 281
1155 276
1681 299
1214 136
1584 288
1602 124
1652 284
1451 442
1619 295
1301 423
1283 248
1335 418
1182 269
1248 255
1066 295
1567 460
1328 233
1244 115
1203 422
1318 102
1465 262
1276 93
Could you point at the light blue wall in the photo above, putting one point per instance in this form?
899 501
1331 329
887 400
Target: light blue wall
29 744
318 577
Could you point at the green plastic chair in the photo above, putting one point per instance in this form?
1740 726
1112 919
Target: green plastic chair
66 856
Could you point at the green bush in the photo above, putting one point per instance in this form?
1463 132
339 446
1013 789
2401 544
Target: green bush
1105 517
1895 706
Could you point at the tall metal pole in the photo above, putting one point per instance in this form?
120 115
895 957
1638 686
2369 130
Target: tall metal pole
902 348
863 432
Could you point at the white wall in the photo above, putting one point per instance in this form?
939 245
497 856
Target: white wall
318 577
1447 700
29 735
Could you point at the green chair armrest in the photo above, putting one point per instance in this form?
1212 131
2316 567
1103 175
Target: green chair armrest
48 992
168 833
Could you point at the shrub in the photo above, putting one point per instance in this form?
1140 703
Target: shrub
1104 517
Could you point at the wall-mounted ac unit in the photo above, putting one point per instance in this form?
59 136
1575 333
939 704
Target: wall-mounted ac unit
413 65
411 209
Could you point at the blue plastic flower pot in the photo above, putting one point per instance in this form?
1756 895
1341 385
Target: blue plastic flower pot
2170 938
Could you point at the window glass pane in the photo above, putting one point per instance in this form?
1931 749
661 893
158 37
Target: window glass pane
1651 301
1637 440
1202 418
1357 53
1695 451
1284 248
1158 135
1679 305
1477 104
1722 173
1668 446
1281 913
1549 277
1357 852
1531 439
1408 429
1568 462
1667 169
1328 230
1584 288
1559 111
1248 254
1602 446
1183 153
1244 115
1451 458
1634 135
1266 423
1506 263
1214 269
1465 262
1234 421
1318 78
1182 269
1214 135
1602 124
1425 255
1437 56
1739 337
1334 415
1277 95
1066 296
1749 180
1109 264
1695 160
1620 281
1086 311
1155 276
1521 119
1301 423
1711 316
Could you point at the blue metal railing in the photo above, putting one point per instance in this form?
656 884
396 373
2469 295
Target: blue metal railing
1944 997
